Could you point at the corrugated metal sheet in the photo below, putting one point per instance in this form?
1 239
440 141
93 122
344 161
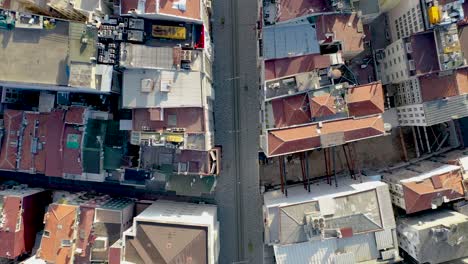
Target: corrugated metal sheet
386 210
289 40
141 56
441 111
384 239
345 258
317 252
363 248
185 89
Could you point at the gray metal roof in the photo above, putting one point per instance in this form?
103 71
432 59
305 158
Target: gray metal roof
444 110
363 248
290 40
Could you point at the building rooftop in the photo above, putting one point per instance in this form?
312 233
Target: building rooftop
425 185
189 9
425 60
279 68
290 40
157 119
134 56
327 103
51 143
162 89
352 207
367 99
51 249
322 105
345 28
290 9
67 66
291 110
190 229
437 86
434 219
28 57
323 134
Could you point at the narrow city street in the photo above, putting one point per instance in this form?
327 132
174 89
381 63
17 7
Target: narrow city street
236 115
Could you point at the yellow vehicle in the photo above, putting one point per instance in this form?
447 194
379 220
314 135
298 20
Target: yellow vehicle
169 32
434 15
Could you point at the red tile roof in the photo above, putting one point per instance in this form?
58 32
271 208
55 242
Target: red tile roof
291 110
190 118
435 87
12 122
10 241
345 27
289 66
86 238
46 134
323 105
75 115
5 4
425 60
367 99
26 156
193 8
290 9
53 146
419 196
308 137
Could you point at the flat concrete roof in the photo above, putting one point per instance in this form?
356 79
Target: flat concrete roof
34 55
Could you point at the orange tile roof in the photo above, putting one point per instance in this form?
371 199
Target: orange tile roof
308 137
323 105
419 196
59 222
291 110
367 99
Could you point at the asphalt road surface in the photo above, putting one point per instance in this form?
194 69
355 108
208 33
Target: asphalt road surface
237 130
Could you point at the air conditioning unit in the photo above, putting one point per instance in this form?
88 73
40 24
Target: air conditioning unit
147 85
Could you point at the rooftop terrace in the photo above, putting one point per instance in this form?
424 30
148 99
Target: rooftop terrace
35 55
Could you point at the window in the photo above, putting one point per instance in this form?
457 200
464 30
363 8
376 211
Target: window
399 59
66 243
172 120
46 233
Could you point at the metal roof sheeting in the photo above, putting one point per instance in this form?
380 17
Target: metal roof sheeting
363 248
444 110
290 40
